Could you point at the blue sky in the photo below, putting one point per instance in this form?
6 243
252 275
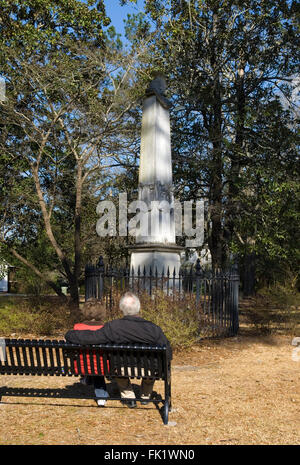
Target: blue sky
118 13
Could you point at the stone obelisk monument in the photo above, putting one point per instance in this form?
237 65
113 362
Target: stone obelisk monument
155 241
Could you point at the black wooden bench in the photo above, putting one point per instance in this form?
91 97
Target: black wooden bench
59 358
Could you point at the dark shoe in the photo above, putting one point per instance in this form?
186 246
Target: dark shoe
86 380
129 403
146 401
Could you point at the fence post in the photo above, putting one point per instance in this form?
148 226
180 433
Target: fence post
86 283
127 276
198 273
100 266
235 299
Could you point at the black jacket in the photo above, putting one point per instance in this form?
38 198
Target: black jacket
126 330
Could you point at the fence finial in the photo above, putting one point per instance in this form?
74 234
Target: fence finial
100 264
198 267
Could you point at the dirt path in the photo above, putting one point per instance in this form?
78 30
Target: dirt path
243 390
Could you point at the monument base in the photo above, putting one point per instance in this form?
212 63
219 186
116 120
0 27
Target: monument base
160 257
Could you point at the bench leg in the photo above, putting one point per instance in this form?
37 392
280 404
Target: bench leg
166 412
167 402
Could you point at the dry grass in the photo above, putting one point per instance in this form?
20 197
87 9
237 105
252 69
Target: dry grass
243 390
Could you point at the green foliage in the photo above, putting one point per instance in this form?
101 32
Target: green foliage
29 283
66 130
12 321
182 322
178 318
42 23
33 317
275 309
271 217
231 69
284 295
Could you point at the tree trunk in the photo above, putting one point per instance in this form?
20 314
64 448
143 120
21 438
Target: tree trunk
72 277
216 184
233 188
77 238
249 275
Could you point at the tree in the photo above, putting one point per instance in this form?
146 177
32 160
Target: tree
226 62
69 88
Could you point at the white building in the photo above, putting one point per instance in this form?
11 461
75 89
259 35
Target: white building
4 277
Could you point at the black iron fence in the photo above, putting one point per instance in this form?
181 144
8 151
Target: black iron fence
214 293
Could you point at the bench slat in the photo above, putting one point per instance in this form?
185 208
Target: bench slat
104 362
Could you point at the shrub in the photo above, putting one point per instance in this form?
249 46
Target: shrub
182 321
33 316
274 309
178 317
14 320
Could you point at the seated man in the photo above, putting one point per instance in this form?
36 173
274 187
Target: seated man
132 328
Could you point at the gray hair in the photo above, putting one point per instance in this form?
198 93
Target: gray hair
130 304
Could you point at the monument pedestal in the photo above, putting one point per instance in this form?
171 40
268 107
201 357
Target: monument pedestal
160 257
